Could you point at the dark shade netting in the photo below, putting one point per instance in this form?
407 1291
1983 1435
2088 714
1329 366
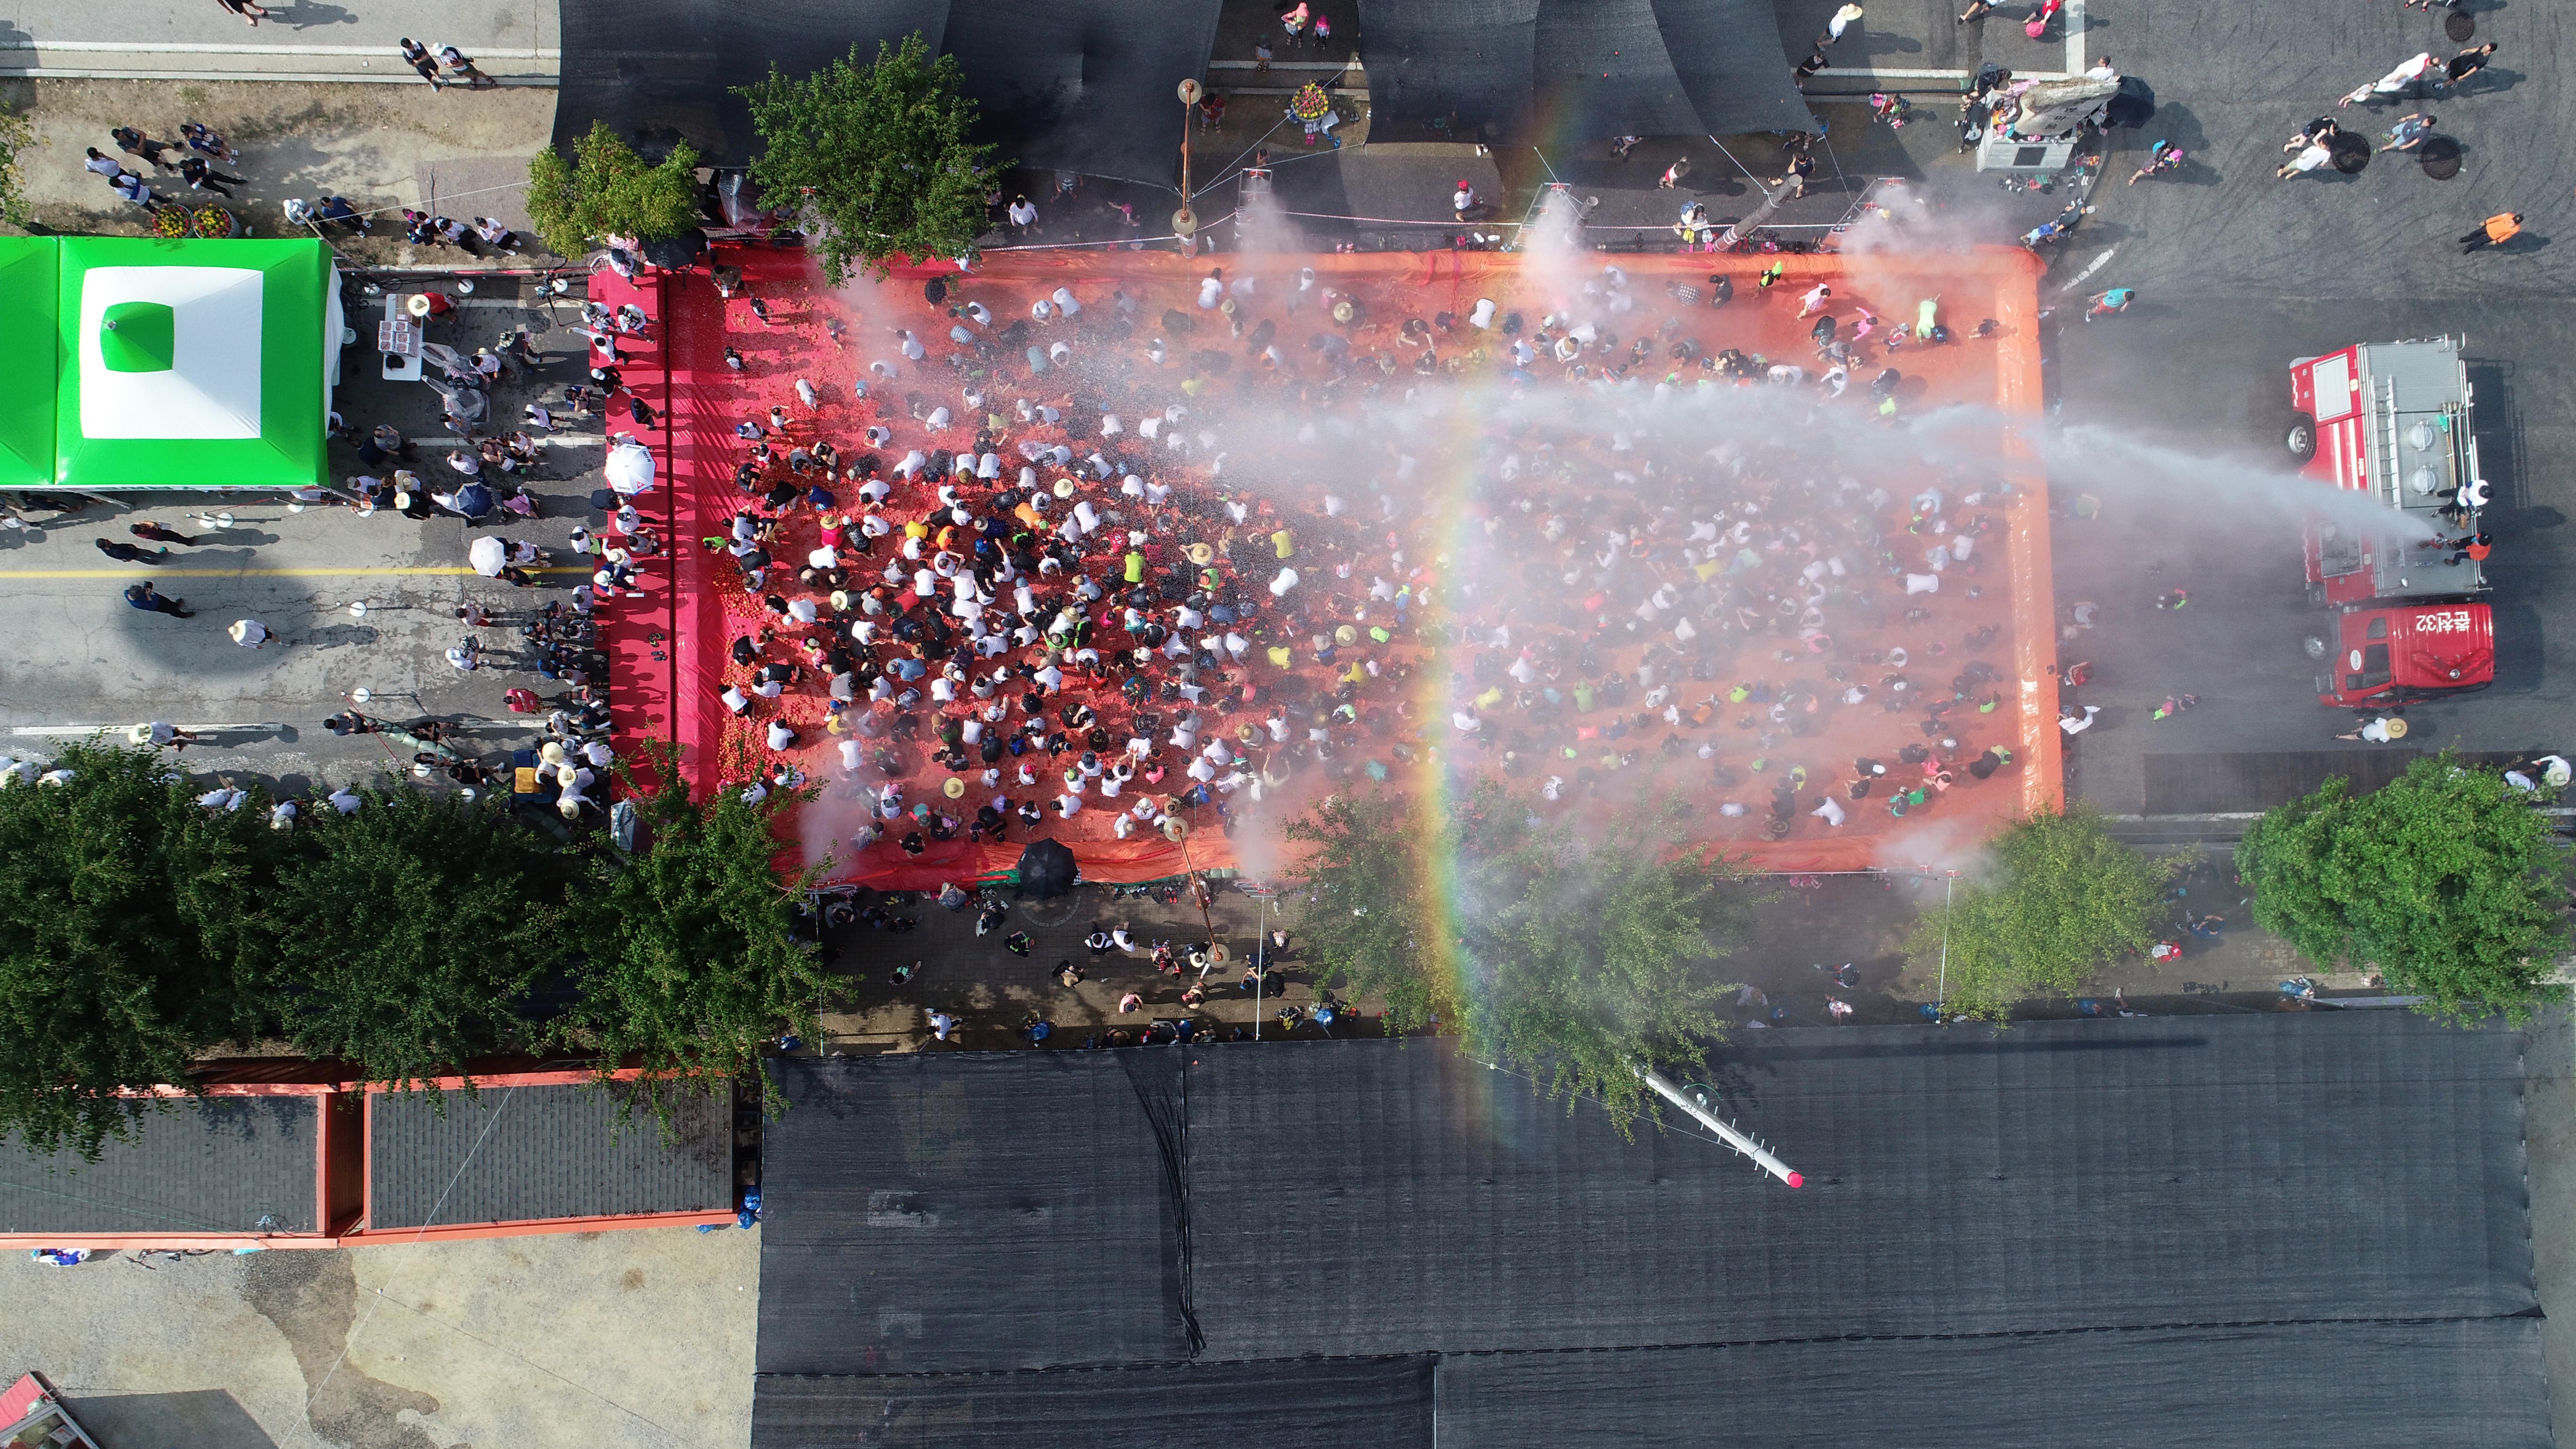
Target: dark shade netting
1084 85
2303 1386
1556 72
972 1212
2058 1175
1283 1404
2051 1235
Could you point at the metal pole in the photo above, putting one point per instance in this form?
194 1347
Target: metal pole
1941 992
1733 1138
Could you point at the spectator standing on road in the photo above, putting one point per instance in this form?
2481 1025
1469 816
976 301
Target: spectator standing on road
417 56
207 142
144 596
131 187
1024 214
2498 229
336 211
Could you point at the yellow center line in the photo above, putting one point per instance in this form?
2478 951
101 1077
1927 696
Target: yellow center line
411 570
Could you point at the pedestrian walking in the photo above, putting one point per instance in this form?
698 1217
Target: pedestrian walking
417 56
1841 22
144 596
1674 173
132 188
207 142
2466 64
162 736
1293 21
1261 57
2172 599
2311 156
2075 724
2409 132
2163 156
2111 303
201 174
943 1026
136 143
128 553
460 64
249 633
159 533
251 14
105 166
2498 229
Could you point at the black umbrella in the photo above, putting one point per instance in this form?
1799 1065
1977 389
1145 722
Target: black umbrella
1046 869
671 253
2132 105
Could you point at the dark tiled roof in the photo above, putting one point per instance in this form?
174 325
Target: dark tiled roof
210 1165
515 1154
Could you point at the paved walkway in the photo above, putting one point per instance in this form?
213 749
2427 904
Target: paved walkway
516 42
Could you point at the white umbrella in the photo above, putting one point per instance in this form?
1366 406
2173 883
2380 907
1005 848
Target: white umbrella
630 467
488 555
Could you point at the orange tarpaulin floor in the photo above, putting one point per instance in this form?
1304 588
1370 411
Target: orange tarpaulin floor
1606 572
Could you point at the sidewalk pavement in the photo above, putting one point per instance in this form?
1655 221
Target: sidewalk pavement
516 42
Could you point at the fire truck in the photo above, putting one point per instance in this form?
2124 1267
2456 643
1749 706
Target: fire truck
2389 421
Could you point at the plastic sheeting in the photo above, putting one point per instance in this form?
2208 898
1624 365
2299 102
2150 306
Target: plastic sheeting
1083 84
1549 72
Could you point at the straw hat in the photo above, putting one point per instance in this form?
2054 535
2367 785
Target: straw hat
417 304
1343 311
1202 553
1064 488
954 789
2396 729
1346 636
553 753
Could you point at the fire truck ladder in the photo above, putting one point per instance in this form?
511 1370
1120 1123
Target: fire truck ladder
2384 399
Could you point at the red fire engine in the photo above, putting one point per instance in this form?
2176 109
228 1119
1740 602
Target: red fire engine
2390 421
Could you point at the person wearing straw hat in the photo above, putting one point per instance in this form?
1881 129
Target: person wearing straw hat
2380 730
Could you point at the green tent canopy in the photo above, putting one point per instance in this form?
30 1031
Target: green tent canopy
175 364
27 286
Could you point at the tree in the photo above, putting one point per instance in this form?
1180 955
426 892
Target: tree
879 152
606 190
2445 881
1574 961
2060 898
17 134
128 941
690 962
409 934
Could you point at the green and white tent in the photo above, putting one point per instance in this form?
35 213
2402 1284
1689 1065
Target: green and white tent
167 364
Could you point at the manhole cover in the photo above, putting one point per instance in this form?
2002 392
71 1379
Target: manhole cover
2459 25
2441 158
2351 153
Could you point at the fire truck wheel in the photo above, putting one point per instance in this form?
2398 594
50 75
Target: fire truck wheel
2300 433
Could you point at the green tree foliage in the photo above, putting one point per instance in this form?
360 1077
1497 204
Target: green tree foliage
410 933
1574 961
604 189
127 941
690 962
2060 898
879 151
16 135
2445 881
